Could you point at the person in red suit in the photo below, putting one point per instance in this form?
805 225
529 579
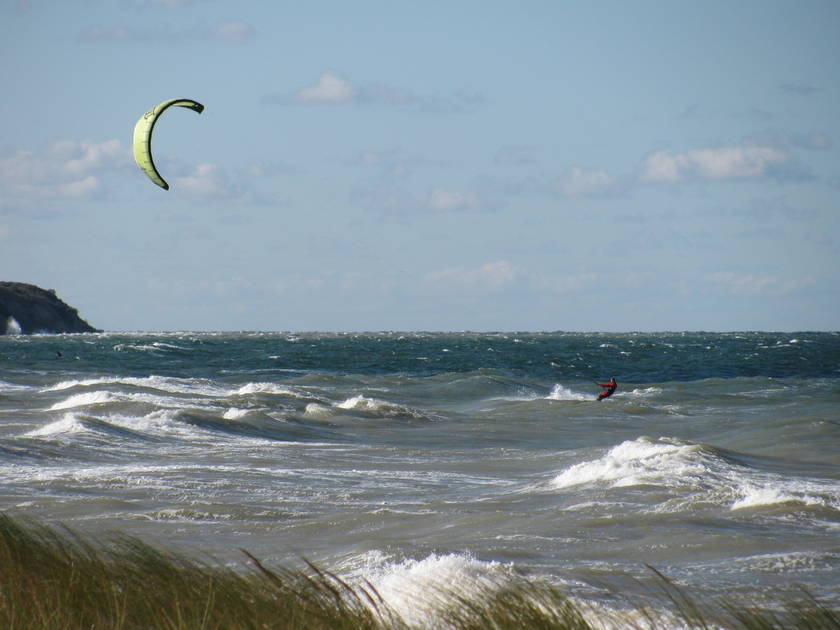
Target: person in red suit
609 388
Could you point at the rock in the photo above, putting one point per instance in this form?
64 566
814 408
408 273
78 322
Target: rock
27 309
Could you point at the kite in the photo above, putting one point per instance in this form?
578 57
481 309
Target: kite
143 136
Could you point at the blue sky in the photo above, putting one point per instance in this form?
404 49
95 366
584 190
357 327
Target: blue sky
368 165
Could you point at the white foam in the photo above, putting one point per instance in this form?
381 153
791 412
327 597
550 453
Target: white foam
780 491
695 474
420 591
70 423
754 497
559 392
168 346
83 383
636 462
363 403
644 392
101 397
163 383
13 327
423 592
5 386
268 388
121 347
162 422
234 413
317 410
378 408
85 400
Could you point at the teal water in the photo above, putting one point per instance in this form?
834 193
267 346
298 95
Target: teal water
416 459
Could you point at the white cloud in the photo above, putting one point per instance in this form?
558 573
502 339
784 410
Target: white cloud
83 188
65 169
738 162
330 89
582 183
333 89
488 277
206 180
451 201
86 156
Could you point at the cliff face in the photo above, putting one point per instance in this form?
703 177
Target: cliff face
27 309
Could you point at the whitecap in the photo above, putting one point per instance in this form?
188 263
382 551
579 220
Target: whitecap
755 497
559 392
163 383
421 591
379 408
317 410
235 413
85 400
780 491
70 423
636 462
268 388
644 392
6 386
362 403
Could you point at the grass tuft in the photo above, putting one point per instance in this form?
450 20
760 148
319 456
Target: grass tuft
53 579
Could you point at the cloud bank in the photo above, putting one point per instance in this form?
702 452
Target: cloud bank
737 162
63 170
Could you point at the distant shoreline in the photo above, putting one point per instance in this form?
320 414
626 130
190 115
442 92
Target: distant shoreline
26 309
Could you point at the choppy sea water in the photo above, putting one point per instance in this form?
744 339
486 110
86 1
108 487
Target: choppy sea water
426 460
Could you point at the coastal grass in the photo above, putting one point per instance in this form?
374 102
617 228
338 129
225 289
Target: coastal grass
52 578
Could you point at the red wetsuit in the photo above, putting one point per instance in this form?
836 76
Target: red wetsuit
609 388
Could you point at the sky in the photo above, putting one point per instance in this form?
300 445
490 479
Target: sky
441 166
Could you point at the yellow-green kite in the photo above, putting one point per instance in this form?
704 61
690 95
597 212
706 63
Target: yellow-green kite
143 136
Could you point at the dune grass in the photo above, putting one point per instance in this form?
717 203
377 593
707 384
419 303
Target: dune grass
55 579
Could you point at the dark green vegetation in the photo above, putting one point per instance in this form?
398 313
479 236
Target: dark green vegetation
54 579
37 310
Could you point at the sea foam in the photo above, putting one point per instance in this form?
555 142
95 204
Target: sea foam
421 591
167 384
85 400
559 392
696 474
374 407
636 462
69 423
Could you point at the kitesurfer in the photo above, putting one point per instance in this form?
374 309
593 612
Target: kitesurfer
609 388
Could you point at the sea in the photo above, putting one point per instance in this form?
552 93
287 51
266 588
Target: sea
421 462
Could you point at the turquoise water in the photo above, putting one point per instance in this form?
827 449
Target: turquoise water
416 459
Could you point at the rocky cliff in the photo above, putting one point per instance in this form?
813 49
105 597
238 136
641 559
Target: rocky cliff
27 309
